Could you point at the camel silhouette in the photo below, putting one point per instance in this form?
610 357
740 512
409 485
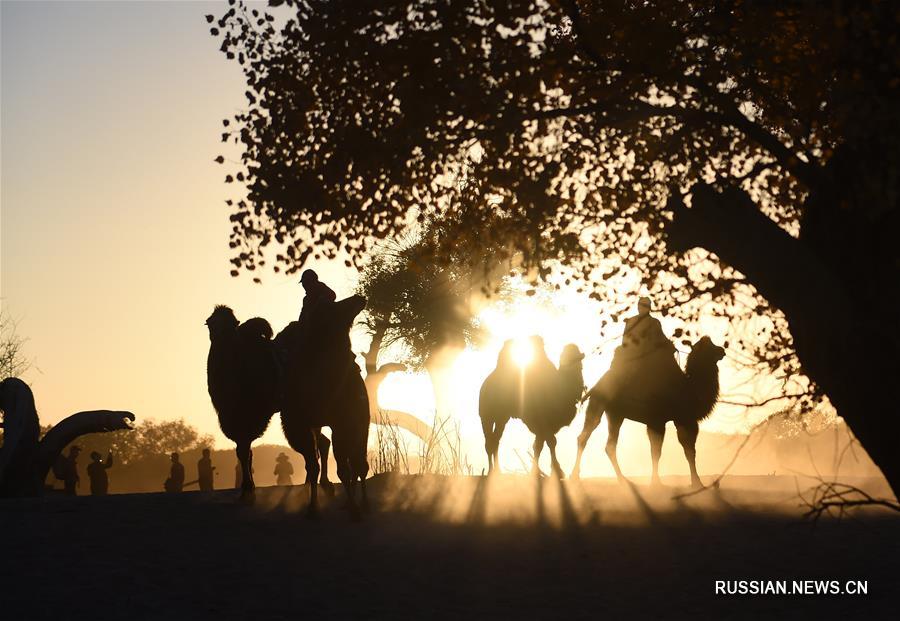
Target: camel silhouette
543 397
668 394
243 375
324 388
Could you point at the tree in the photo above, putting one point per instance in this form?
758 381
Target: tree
13 362
148 439
423 293
739 157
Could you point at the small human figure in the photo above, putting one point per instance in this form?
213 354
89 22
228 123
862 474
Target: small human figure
317 292
175 483
205 472
66 470
283 470
97 473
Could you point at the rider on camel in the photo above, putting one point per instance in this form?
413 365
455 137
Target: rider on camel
317 292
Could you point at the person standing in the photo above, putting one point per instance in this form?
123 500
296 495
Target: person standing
205 472
175 483
283 470
97 473
66 470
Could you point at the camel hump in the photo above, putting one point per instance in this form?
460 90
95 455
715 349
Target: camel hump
257 328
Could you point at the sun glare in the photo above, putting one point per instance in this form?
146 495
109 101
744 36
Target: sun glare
522 353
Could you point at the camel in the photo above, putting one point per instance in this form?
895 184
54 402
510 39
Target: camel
685 398
244 381
324 388
25 459
543 397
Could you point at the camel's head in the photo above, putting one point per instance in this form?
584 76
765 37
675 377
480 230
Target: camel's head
330 326
537 344
221 322
506 359
707 351
571 356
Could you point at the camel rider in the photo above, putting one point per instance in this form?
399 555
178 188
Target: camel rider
645 353
317 292
644 334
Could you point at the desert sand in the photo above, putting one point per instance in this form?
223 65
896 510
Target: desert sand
444 547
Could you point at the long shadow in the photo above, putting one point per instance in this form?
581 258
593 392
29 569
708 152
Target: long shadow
684 507
569 515
540 510
436 497
590 508
647 510
478 507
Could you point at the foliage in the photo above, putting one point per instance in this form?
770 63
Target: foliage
440 453
13 362
570 120
149 438
425 297
735 159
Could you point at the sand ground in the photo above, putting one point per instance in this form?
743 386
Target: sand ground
439 547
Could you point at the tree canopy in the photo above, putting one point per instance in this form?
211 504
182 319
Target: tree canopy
13 362
424 289
148 439
739 157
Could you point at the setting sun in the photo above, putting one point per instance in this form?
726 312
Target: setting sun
522 352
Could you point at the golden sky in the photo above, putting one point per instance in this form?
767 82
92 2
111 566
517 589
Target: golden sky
113 229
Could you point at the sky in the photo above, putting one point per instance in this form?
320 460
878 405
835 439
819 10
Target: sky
113 227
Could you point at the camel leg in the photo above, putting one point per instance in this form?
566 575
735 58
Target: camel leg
307 448
344 471
347 462
538 448
557 469
245 456
488 428
591 420
687 436
324 445
656 436
614 424
499 426
360 464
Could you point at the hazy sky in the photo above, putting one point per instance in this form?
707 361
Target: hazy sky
114 230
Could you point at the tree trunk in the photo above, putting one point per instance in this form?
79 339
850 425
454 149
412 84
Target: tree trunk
841 346
375 375
439 366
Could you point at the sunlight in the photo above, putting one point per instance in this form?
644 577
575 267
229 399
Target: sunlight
559 317
522 352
